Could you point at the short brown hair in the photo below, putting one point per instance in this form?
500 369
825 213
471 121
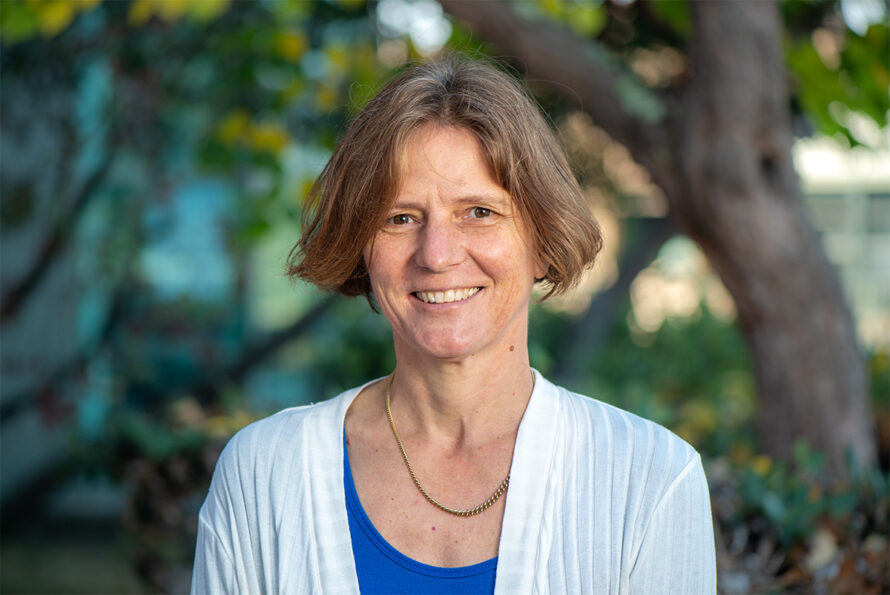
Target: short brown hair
348 202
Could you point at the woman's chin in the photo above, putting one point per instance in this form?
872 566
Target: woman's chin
449 352
455 343
442 348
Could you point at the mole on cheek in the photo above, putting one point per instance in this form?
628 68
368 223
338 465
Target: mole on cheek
511 348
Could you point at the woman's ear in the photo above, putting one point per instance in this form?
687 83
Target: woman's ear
541 268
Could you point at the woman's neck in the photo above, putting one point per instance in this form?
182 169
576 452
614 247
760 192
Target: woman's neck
461 400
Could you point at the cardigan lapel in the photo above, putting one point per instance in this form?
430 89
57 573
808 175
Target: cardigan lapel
525 534
327 501
526 528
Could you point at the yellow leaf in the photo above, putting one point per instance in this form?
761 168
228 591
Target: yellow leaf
53 17
140 12
701 415
305 187
217 427
233 127
588 20
223 426
761 465
85 5
207 10
552 8
291 45
292 90
326 98
338 57
171 10
268 137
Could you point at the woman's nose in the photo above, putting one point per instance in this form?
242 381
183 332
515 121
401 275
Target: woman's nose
440 246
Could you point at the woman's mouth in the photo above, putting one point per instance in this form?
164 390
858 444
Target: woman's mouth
447 296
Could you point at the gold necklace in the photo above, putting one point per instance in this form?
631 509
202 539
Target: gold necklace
468 512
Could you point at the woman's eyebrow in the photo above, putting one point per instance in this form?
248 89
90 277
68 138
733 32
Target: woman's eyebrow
491 199
495 200
406 205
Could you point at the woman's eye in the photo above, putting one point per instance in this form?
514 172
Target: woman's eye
400 219
480 212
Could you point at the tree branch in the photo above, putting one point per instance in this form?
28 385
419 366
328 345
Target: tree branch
14 404
270 344
582 72
207 387
55 243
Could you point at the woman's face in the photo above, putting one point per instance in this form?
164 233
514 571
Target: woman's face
452 268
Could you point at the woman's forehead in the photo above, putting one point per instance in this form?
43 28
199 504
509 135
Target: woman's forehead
442 147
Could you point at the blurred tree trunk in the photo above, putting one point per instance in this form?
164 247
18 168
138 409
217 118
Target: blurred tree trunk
587 335
721 152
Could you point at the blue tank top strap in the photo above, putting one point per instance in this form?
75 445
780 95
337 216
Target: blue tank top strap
383 569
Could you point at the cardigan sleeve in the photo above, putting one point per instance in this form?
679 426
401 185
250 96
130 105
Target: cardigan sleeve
214 570
226 556
676 554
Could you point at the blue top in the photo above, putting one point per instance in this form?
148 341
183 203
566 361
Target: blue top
383 569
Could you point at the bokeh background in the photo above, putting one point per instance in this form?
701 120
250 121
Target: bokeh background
154 155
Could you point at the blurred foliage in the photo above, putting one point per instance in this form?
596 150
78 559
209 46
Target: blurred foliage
784 530
837 77
692 375
585 19
791 500
22 20
255 94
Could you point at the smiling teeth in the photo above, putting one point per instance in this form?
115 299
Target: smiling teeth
445 297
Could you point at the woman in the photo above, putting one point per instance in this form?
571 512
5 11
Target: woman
464 470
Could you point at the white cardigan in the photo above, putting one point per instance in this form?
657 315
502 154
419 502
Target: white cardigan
600 501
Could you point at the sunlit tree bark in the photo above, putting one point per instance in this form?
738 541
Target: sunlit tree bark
719 146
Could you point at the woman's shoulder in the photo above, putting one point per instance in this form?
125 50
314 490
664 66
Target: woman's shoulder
640 461
627 436
266 433
285 434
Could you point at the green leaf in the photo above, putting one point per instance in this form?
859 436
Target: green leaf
17 22
588 19
674 12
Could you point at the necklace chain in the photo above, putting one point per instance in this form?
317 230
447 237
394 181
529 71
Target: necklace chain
463 513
